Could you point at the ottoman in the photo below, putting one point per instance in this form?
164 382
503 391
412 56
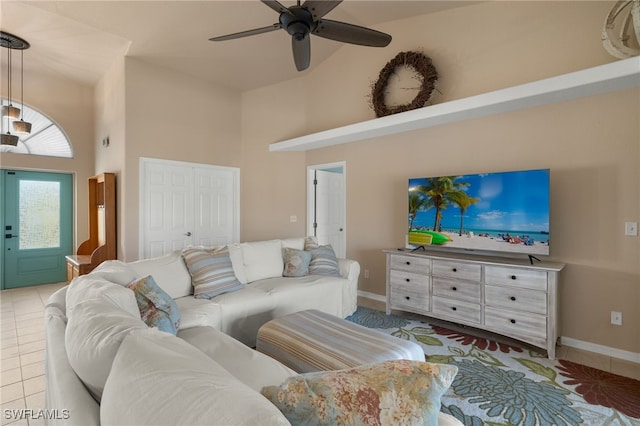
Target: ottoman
314 341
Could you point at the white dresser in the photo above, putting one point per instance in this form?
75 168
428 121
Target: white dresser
507 296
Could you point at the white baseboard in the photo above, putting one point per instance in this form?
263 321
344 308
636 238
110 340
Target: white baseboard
372 296
566 341
600 349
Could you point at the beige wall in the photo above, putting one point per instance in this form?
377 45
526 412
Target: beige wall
166 112
70 106
591 146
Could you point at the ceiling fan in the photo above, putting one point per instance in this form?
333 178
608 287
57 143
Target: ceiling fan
300 21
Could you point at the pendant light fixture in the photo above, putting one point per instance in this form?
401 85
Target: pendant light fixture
10 113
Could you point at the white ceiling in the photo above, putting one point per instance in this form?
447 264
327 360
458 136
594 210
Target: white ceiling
81 39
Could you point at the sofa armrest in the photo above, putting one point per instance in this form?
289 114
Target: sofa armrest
349 269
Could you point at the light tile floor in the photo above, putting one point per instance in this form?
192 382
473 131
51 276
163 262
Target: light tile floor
601 362
22 351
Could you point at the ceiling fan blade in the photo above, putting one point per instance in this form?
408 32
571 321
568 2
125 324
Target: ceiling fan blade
275 5
247 33
301 52
319 8
349 33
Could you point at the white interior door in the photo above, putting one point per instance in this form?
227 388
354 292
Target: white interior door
327 206
185 204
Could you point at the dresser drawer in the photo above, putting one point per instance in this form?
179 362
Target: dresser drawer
410 298
516 324
458 270
409 279
417 265
520 277
516 299
460 290
456 310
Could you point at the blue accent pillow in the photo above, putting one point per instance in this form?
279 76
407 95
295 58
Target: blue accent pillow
296 262
157 308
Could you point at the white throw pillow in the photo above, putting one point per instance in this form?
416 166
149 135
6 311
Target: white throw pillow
94 332
169 272
90 287
115 271
159 379
256 260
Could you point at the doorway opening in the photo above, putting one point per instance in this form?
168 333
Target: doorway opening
326 205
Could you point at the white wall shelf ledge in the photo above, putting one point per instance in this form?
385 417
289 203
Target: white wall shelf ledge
606 78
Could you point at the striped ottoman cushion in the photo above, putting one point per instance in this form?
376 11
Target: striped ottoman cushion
314 341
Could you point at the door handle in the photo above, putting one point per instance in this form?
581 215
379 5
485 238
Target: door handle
188 234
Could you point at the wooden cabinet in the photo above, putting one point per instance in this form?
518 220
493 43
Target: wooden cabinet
502 295
101 244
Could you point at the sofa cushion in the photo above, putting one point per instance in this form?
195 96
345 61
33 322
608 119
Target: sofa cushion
251 367
324 262
169 271
93 287
114 271
295 243
157 308
94 332
198 312
211 271
159 379
296 262
311 242
386 393
257 260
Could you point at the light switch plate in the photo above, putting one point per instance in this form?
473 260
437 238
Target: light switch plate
631 229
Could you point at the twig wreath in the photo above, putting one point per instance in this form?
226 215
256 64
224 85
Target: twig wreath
428 76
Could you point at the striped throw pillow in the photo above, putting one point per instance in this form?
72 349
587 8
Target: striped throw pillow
211 272
324 262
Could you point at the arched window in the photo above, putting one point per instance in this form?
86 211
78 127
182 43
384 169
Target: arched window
46 137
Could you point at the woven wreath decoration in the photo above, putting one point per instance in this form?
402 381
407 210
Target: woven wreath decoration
428 76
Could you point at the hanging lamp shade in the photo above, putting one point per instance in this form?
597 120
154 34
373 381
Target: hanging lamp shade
8 139
22 127
9 111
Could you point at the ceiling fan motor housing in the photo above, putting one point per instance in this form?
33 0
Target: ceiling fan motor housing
298 22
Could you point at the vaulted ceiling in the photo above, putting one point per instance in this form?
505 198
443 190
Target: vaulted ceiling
81 39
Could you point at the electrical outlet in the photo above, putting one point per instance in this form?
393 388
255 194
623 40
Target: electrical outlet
631 229
366 273
616 318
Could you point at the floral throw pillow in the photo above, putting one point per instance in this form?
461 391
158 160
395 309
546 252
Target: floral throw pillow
398 392
157 308
296 262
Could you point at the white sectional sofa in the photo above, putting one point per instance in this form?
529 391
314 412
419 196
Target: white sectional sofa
266 295
105 366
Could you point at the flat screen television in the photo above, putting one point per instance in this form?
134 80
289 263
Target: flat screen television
491 212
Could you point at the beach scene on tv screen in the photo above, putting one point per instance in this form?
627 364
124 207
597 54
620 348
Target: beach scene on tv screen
504 212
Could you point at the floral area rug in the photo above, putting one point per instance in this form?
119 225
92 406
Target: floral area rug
503 384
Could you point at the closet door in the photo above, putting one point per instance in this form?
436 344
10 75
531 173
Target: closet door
185 204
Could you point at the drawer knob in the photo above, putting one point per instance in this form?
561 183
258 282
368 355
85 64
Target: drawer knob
408 263
513 298
513 321
407 279
407 297
513 277
454 288
454 308
455 269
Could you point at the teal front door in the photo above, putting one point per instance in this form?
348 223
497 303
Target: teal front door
37 218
